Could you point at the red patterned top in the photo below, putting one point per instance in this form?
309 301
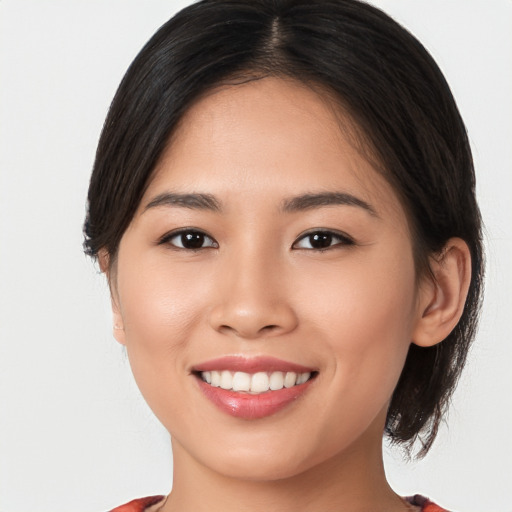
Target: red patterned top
142 504
139 505
425 504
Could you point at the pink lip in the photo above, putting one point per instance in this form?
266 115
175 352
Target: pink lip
250 365
250 407
245 405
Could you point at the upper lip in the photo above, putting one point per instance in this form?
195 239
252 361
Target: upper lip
238 363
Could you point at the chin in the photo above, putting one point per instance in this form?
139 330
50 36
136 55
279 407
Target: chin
265 458
260 469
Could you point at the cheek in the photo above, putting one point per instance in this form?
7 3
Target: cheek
371 293
161 306
158 298
366 313
362 319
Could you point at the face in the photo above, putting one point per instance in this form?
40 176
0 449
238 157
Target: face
266 286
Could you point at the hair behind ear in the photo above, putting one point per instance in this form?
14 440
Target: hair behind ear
439 347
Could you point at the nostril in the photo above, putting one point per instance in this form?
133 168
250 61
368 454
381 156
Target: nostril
252 320
225 327
271 328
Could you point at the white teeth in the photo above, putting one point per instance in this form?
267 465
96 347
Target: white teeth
226 380
276 380
241 381
303 377
259 382
290 379
215 376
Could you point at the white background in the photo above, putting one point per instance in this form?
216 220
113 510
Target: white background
74 434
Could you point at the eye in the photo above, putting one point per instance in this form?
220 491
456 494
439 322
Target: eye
190 239
322 240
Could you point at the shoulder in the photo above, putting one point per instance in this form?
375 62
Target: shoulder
424 503
143 504
139 505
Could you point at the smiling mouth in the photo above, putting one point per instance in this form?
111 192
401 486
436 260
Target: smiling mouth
251 388
254 383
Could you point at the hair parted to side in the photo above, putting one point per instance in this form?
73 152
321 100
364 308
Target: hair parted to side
387 84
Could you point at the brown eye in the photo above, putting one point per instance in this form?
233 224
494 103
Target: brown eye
321 240
190 239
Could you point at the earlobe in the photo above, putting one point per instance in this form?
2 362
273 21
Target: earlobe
104 260
118 326
443 294
117 318
119 333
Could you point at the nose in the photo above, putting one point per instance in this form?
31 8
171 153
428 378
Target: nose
252 299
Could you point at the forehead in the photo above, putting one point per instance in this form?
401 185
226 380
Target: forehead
265 138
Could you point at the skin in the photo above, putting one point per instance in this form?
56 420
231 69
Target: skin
350 311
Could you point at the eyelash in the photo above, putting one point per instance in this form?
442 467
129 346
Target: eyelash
327 234
343 239
166 239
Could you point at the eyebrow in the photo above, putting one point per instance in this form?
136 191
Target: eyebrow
193 201
200 201
310 201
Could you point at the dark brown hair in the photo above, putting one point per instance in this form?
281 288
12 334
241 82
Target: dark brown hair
381 76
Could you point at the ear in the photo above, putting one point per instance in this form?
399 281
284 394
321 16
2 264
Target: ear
118 325
443 294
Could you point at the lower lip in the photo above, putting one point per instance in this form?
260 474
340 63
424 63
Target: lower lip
251 407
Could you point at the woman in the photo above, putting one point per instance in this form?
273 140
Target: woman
283 204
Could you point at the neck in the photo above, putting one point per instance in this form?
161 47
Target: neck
353 481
